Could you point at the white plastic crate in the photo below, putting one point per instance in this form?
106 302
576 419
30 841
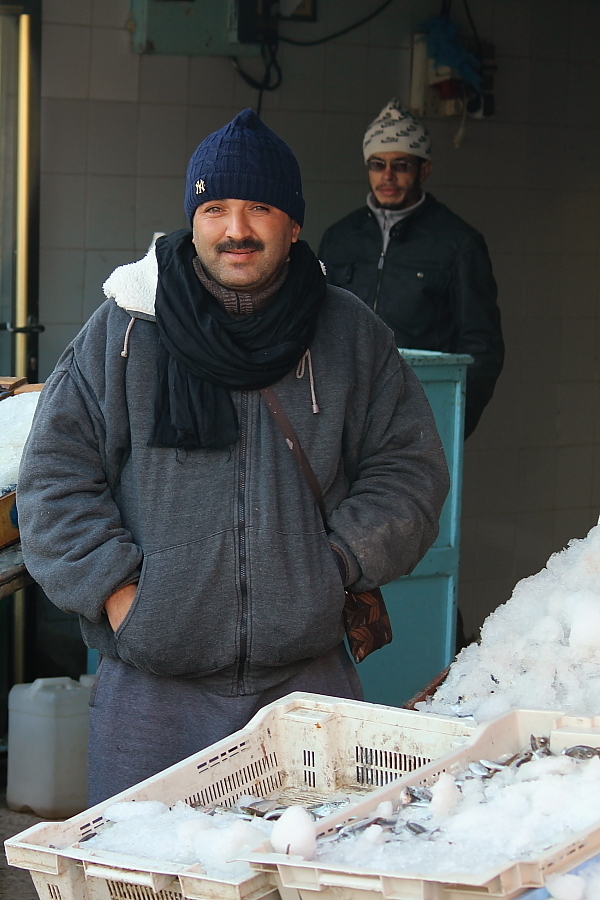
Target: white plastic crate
298 879
303 748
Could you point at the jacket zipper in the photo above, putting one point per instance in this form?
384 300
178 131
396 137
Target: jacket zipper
379 275
241 515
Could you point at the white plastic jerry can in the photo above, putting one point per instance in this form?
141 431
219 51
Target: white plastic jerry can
47 747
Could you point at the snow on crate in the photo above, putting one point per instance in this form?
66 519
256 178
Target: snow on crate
540 650
16 414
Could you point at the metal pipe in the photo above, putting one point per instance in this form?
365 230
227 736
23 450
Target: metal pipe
23 175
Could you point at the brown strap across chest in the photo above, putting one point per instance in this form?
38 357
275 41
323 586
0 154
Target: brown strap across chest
291 438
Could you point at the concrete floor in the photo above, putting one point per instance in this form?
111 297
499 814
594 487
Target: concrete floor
15 884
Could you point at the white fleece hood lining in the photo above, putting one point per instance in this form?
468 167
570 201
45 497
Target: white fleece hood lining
133 286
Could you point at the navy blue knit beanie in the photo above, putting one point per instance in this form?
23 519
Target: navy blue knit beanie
245 160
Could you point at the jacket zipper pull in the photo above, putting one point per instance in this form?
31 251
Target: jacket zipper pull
381 259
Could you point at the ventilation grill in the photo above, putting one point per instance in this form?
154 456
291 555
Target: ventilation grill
263 775
89 829
310 776
118 890
379 767
54 892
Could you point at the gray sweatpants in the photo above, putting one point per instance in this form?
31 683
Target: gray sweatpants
141 723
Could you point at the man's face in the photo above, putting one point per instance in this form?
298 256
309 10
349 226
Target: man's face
396 178
243 244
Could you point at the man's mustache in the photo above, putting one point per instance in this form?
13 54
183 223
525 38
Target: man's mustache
246 244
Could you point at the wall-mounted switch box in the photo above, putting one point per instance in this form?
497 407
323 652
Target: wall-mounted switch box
187 28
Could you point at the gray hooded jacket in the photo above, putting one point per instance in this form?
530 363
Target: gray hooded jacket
237 582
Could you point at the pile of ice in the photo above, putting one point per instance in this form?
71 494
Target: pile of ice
181 835
515 815
584 885
540 650
16 414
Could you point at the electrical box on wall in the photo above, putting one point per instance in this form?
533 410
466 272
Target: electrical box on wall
200 27
438 92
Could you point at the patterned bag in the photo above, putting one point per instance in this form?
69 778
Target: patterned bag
366 618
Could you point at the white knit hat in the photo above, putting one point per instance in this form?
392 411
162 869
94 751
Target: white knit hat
395 128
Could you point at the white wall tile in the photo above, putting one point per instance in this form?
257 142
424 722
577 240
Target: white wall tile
211 81
512 23
159 207
62 215
584 30
67 12
161 139
387 76
549 21
574 475
578 345
65 61
110 212
304 77
303 131
114 72
64 135
110 13
113 138
579 285
61 285
346 79
164 79
577 405
342 148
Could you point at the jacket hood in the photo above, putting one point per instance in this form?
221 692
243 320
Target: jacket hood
133 286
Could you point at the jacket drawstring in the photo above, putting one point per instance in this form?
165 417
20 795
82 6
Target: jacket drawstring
300 374
125 350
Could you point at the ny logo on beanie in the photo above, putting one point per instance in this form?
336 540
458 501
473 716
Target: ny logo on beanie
200 186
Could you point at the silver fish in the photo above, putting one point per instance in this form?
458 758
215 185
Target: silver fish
540 746
416 828
581 751
493 765
325 809
415 794
480 770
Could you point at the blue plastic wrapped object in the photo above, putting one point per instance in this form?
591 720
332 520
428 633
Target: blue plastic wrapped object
445 49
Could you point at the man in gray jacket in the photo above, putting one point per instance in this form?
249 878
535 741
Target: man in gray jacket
159 500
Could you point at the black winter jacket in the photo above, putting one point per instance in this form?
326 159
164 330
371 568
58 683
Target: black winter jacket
434 287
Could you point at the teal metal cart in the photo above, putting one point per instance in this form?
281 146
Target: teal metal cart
422 605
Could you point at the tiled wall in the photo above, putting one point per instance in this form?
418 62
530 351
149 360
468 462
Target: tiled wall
118 129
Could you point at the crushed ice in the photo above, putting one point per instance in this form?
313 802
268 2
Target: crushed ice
540 650
16 414
474 824
181 835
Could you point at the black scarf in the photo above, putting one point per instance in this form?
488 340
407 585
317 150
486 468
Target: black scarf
203 353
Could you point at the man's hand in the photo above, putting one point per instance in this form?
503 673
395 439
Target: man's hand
118 605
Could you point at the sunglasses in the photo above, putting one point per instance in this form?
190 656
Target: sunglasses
400 166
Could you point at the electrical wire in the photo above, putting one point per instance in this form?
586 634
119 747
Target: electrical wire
269 82
474 30
269 56
336 34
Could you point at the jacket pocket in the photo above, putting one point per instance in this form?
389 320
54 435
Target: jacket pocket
297 597
185 612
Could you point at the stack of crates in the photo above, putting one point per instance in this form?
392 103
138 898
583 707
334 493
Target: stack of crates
302 749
